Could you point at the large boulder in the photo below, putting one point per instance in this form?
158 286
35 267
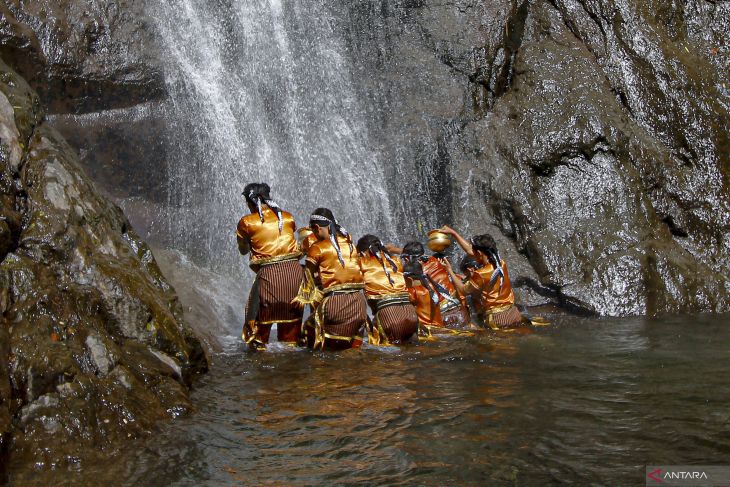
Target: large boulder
92 346
589 135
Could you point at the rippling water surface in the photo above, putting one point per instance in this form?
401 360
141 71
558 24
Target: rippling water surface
585 401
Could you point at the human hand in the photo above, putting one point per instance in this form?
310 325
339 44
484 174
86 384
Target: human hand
447 230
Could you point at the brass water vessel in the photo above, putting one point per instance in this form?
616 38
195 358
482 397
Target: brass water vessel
438 241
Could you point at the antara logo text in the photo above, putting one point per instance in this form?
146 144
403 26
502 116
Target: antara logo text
659 476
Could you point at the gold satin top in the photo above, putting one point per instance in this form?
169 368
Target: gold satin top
428 313
491 296
376 281
264 237
307 242
331 273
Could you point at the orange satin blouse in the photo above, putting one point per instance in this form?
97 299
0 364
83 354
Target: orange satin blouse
307 242
491 296
428 313
376 281
331 273
264 237
436 271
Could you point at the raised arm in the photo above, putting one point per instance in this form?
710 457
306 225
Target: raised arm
458 283
393 249
463 243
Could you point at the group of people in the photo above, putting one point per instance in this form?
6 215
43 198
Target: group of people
408 292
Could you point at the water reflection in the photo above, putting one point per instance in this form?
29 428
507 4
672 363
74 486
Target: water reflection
587 401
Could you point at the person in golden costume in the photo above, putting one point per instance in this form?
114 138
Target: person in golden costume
454 314
490 284
471 302
267 234
335 264
395 320
424 298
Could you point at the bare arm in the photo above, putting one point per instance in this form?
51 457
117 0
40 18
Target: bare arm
463 243
393 249
458 283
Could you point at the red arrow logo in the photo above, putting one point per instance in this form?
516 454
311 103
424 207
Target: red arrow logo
658 473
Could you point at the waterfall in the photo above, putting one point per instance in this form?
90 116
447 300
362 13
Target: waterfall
261 90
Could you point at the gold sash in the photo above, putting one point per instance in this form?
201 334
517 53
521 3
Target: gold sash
256 264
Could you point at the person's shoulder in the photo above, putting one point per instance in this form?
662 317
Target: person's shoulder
243 224
369 259
316 248
249 219
484 272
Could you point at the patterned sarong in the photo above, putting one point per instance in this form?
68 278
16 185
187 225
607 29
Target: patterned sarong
338 320
270 301
395 320
504 317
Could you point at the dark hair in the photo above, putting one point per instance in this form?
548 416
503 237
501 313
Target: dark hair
334 228
413 269
366 242
254 190
373 244
486 244
414 249
468 263
325 212
257 194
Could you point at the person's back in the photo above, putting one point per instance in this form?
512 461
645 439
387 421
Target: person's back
341 315
381 280
266 241
395 319
493 294
267 234
331 271
429 313
433 268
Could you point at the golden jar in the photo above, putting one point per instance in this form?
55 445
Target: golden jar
438 241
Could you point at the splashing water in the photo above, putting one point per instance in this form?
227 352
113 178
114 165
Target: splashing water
260 91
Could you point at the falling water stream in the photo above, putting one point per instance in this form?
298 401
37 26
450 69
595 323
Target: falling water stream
261 91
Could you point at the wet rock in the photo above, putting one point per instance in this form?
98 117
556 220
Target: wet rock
122 150
100 356
82 56
92 334
95 65
589 135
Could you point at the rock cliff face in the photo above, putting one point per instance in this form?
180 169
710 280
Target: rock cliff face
591 136
92 347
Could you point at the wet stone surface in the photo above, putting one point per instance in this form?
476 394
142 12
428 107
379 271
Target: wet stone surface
589 136
93 349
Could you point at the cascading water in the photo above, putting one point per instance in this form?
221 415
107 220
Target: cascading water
260 91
